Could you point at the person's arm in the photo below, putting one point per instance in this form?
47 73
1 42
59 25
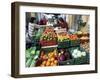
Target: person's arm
39 26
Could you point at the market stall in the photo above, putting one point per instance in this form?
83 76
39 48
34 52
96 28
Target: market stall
52 47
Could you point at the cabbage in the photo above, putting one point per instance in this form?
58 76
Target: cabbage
83 53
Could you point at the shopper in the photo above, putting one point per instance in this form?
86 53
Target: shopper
32 27
62 23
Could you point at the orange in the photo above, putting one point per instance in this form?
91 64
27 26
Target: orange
42 65
44 62
51 64
55 54
52 59
54 64
55 61
49 60
48 63
50 54
45 57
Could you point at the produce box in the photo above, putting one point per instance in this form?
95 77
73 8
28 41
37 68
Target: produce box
48 57
79 55
82 60
67 62
82 41
64 44
49 49
65 57
49 37
32 55
76 61
74 42
48 43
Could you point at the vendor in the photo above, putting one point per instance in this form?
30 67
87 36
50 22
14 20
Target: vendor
62 23
32 27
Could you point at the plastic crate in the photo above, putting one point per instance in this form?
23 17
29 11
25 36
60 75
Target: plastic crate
74 43
67 62
80 60
50 49
76 61
64 44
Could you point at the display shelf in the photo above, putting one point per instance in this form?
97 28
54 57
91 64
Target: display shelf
49 46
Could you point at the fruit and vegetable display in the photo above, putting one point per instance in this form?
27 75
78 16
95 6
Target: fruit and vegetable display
31 56
85 46
56 57
48 37
55 49
63 55
80 33
84 39
76 53
48 58
62 37
66 40
39 33
65 37
80 55
73 37
83 36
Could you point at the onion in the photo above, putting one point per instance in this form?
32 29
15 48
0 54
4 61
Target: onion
67 55
62 57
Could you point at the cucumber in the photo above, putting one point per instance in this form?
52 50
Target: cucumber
27 54
36 57
28 63
33 50
37 52
32 63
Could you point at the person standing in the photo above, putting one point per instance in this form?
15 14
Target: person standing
62 23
